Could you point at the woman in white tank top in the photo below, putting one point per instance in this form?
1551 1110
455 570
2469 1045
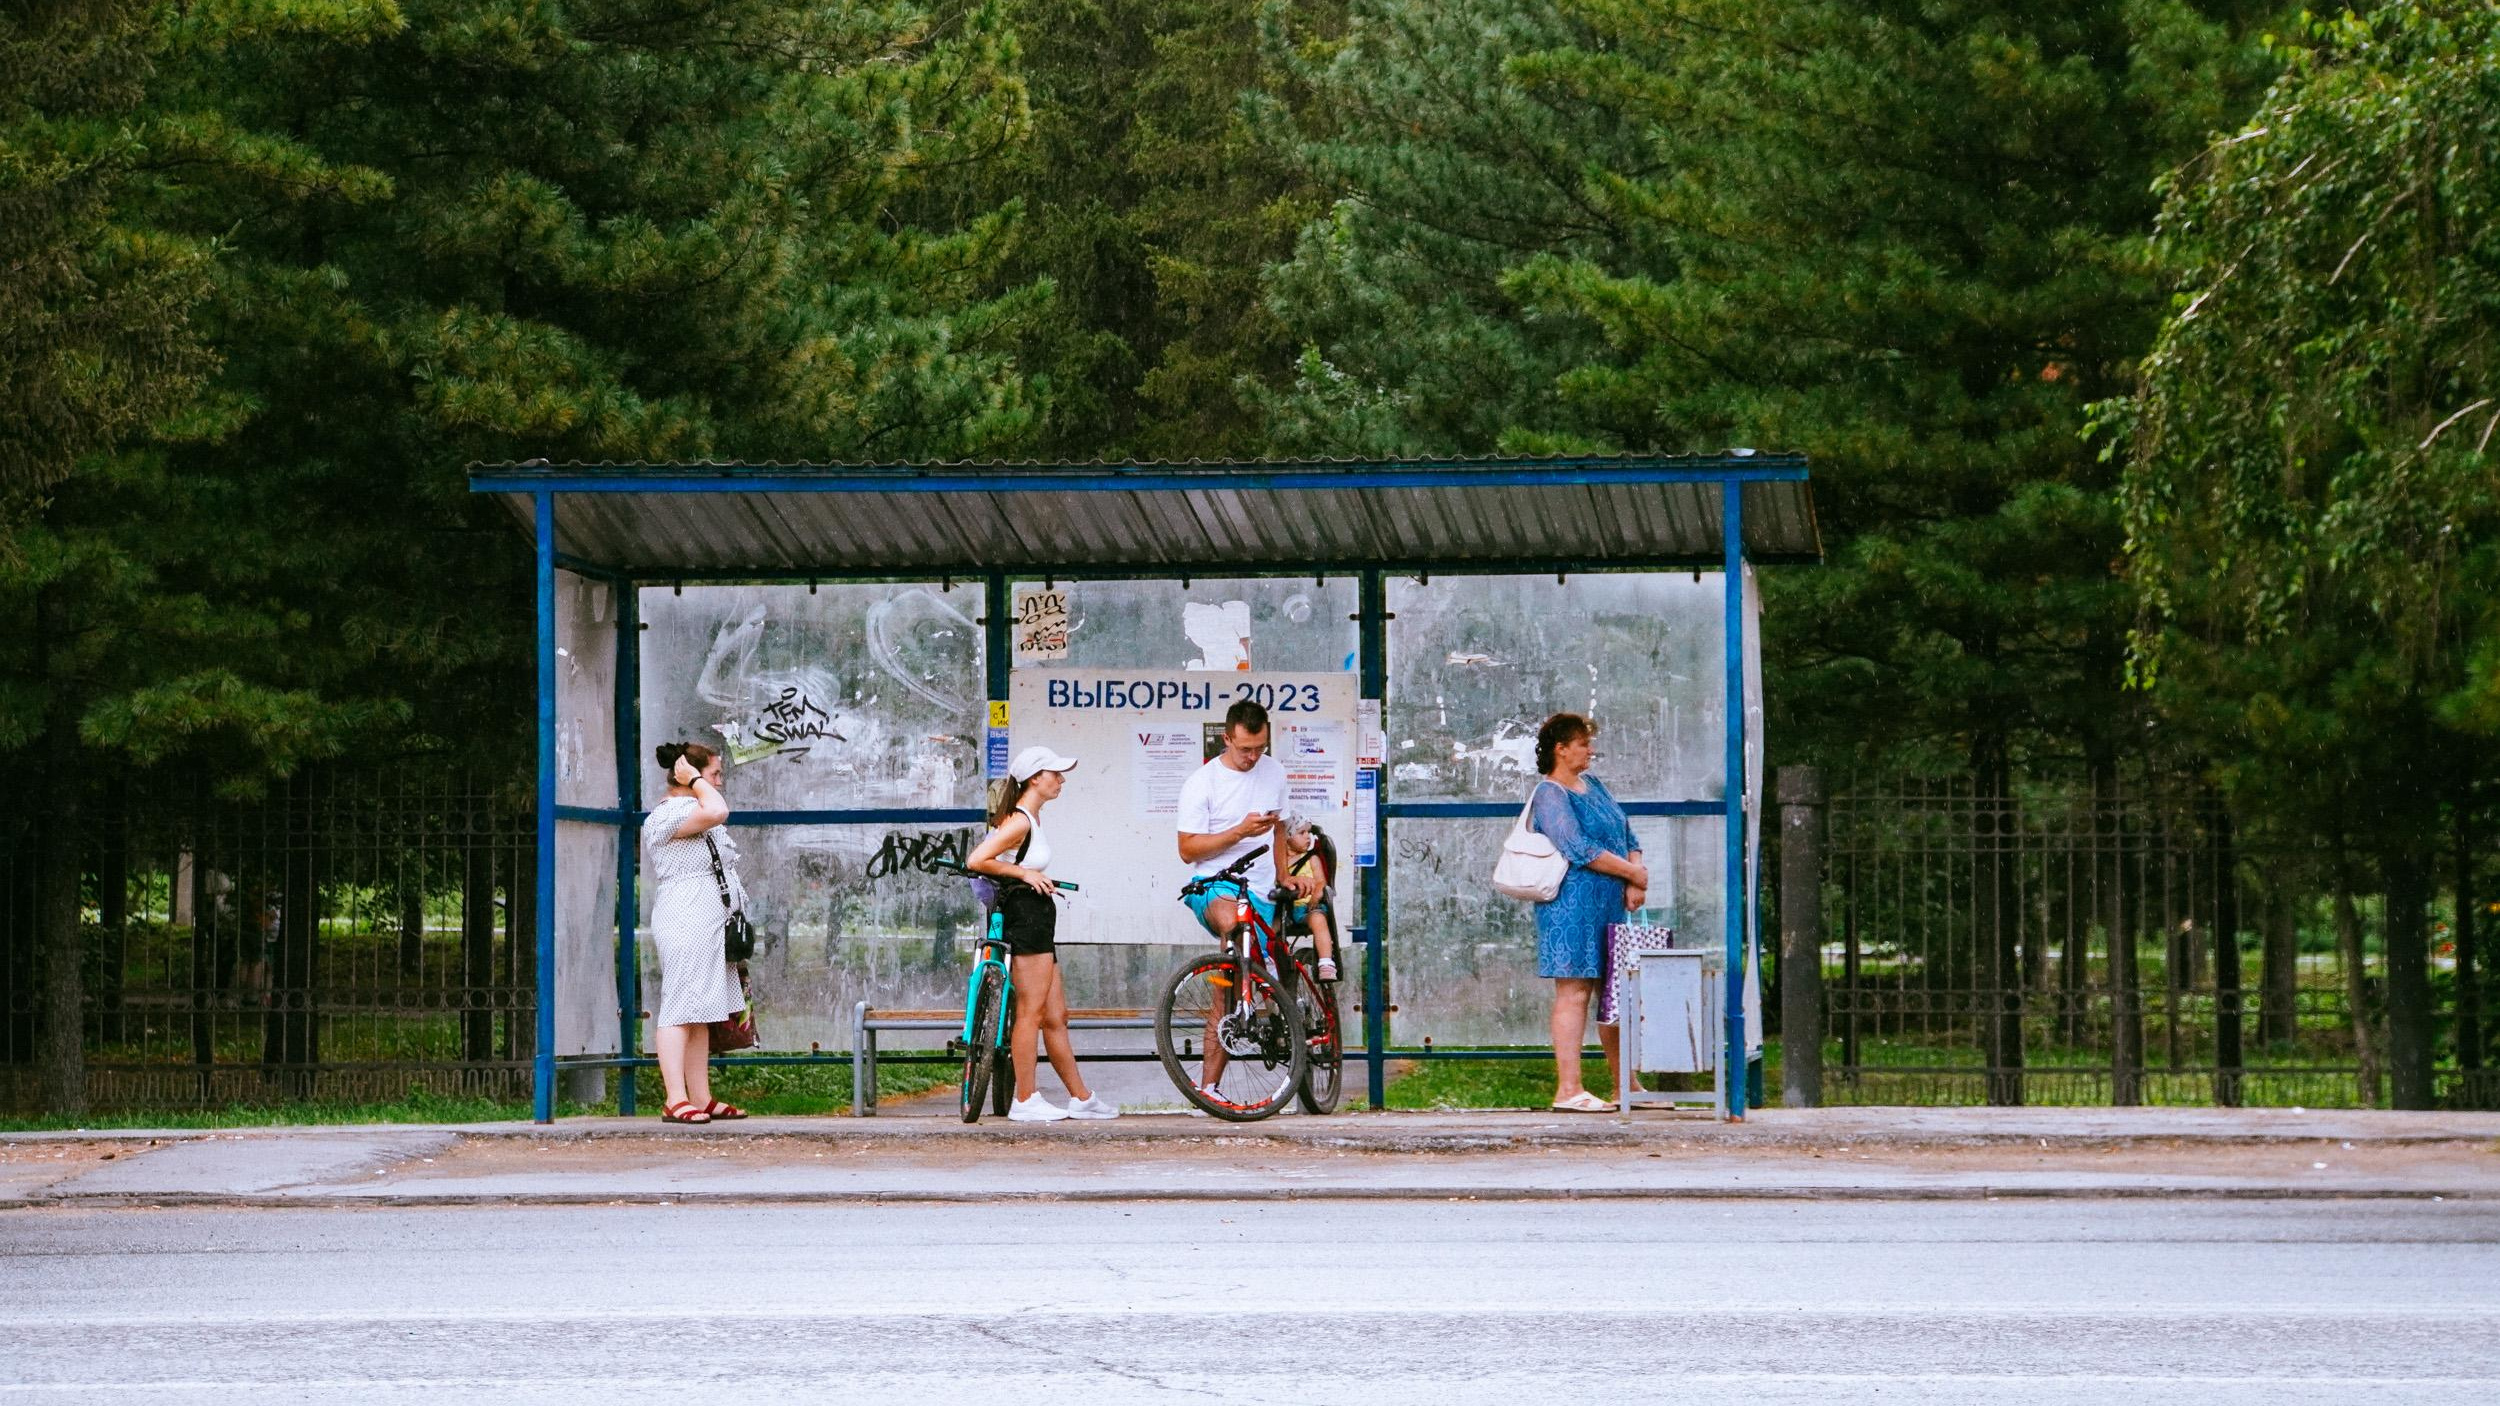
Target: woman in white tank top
1015 855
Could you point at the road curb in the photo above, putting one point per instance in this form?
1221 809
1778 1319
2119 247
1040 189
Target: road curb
406 1201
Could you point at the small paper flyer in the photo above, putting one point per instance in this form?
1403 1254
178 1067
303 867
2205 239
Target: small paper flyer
1161 761
1041 624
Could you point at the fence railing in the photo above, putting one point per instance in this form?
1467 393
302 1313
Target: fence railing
352 936
355 937
2058 946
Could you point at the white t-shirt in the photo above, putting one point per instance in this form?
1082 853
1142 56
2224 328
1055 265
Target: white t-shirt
1216 797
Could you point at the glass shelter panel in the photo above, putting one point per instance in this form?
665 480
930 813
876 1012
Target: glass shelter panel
827 697
1477 663
585 691
585 977
851 913
1463 965
1294 624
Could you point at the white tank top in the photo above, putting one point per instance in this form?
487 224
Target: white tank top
1037 851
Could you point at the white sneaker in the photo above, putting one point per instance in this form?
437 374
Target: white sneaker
1328 969
1036 1109
1092 1106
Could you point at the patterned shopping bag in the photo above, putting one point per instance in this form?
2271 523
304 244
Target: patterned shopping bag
1625 942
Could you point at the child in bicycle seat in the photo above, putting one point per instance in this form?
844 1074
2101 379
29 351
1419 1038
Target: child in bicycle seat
1308 850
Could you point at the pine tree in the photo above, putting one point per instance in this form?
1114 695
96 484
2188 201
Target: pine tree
2308 491
1443 177
459 230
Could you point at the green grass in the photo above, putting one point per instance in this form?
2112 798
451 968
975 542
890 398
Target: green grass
761 1089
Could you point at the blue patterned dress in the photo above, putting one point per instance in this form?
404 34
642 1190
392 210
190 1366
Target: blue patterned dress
1571 930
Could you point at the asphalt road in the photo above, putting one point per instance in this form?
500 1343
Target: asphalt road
2040 1303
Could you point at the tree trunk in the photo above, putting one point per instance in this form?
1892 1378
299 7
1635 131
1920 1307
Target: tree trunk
2126 998
412 930
292 1041
521 954
2356 977
2411 1078
477 944
1997 930
2278 1003
2229 1058
2469 984
61 1051
109 822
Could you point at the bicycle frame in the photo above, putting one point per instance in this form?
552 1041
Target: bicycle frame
993 954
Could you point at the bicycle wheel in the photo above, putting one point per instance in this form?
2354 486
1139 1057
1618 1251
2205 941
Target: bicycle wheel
1002 1083
1323 1082
1259 1038
989 1006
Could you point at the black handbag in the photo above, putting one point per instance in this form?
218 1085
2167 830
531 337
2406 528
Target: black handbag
737 935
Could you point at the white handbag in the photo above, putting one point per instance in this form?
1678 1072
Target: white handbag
1530 866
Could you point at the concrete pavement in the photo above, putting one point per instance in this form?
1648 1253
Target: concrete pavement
1960 1153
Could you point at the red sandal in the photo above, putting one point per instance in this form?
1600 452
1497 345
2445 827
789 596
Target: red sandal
684 1111
724 1112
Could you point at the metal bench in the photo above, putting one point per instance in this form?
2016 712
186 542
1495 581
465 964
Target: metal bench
867 1021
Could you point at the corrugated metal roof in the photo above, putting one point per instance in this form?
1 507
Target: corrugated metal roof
662 520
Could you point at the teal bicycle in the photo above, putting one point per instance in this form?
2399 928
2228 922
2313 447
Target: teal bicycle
989 998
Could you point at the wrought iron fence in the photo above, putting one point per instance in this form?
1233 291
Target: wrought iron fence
351 937
2063 947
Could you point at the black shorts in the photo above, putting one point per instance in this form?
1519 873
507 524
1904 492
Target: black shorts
1028 921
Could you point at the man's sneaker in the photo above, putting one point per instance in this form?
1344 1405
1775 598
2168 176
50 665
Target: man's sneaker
1092 1106
1036 1109
1328 969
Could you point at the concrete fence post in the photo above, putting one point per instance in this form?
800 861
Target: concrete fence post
1801 936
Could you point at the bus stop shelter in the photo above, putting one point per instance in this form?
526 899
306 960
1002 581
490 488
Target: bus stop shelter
848 635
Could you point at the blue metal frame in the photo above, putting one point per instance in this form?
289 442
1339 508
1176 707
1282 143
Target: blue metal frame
1732 545
543 1071
1611 470
543 486
1371 650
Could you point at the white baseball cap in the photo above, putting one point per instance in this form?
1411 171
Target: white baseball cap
1034 760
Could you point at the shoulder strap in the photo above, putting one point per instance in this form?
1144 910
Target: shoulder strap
1027 842
1529 809
718 875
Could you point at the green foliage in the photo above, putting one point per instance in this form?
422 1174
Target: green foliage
1887 235
95 337
1151 208
460 230
2308 493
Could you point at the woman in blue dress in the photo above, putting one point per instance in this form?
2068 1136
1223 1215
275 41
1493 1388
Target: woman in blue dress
1606 880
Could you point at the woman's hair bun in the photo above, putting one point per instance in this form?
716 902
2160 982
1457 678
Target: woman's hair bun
695 752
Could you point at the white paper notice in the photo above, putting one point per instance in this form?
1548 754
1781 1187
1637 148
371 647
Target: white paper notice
1313 754
1164 759
1367 818
1373 743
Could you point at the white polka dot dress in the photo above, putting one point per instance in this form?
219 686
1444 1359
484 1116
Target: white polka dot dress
697 983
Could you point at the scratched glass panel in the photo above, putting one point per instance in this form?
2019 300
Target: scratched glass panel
1463 959
835 698
851 913
585 691
1295 624
1477 663
585 979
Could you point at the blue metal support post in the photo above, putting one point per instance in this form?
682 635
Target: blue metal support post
1372 656
543 1073
628 836
1732 552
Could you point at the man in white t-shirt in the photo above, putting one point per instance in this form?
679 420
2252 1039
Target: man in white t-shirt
1230 806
